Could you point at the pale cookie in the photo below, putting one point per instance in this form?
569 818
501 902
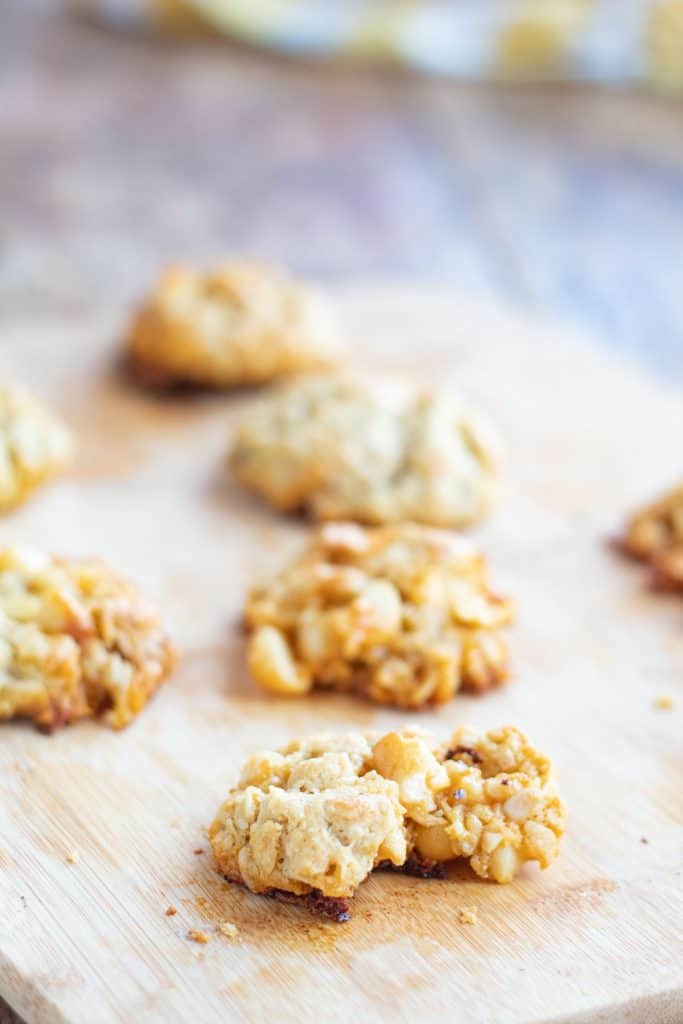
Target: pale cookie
312 820
238 324
401 614
75 641
339 450
34 446
655 535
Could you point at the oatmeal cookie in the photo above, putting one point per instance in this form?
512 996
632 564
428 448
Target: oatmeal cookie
238 324
34 446
339 450
401 614
655 535
75 641
313 819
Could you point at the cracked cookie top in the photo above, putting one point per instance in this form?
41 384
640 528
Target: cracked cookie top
655 535
314 818
401 614
75 641
340 450
238 324
34 446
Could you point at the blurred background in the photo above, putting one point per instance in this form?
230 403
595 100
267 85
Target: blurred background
529 151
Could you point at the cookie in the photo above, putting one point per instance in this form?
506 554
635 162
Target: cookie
312 820
238 324
337 449
655 535
34 446
400 614
75 641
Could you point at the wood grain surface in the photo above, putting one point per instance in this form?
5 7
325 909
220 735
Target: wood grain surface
593 938
119 154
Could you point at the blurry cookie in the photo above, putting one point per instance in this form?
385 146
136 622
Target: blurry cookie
655 535
401 614
34 446
75 641
312 820
340 450
238 324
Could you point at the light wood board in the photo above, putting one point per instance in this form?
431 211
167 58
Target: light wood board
596 937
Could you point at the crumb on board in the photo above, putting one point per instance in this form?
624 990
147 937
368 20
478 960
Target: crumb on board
198 936
198 852
72 857
644 840
468 915
227 928
664 702
170 911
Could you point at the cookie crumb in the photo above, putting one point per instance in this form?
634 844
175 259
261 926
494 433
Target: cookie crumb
468 915
644 840
197 852
198 936
72 857
664 702
227 928
170 911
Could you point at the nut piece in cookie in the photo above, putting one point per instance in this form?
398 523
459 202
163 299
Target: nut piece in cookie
238 324
75 641
401 614
311 821
655 535
339 450
34 447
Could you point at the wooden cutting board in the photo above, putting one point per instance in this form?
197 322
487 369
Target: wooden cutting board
596 937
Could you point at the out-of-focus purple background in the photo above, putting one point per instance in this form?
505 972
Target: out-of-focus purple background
121 153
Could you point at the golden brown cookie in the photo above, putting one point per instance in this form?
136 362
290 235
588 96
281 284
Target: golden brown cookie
655 535
338 449
401 614
239 324
75 641
34 446
313 819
